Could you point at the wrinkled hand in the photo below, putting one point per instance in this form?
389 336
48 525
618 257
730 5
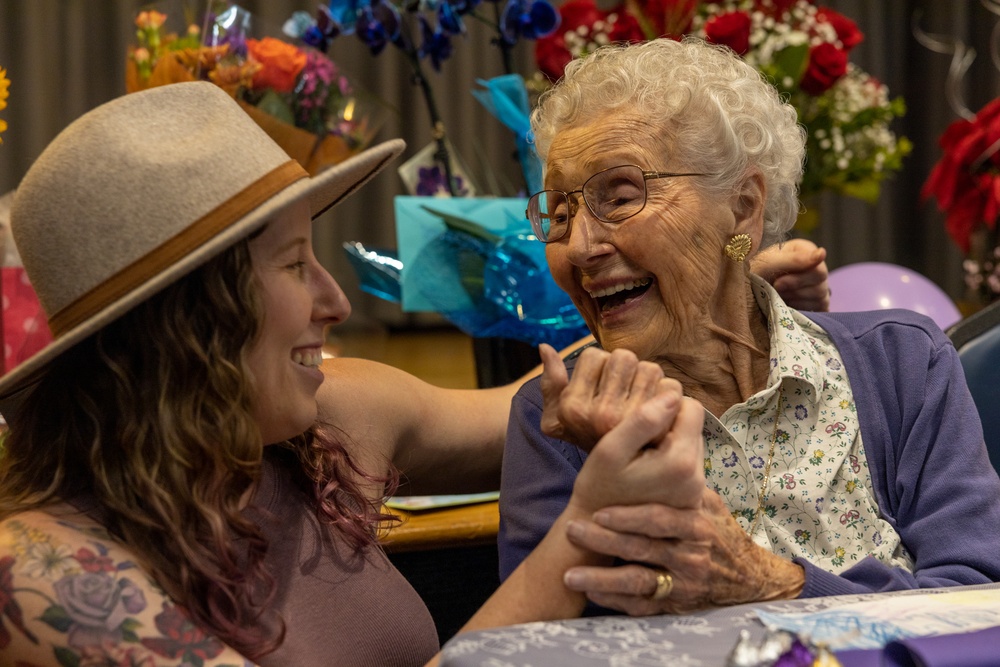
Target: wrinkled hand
713 562
798 271
655 454
604 388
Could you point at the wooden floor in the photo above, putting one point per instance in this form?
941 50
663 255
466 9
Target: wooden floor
440 356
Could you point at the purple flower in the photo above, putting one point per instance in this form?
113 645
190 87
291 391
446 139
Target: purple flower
436 44
819 505
729 461
877 538
833 364
756 462
449 20
531 20
378 24
97 604
432 182
344 14
801 412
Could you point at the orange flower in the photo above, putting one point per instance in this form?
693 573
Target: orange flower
150 20
281 63
4 85
232 78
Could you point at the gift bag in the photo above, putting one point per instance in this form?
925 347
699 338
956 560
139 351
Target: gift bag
22 321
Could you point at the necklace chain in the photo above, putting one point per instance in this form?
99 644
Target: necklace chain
770 459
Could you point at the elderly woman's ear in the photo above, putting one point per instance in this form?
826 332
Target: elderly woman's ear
748 209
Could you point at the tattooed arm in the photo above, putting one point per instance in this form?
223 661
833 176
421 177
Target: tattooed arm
69 594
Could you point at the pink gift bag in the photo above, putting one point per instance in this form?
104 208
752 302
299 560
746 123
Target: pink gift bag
23 325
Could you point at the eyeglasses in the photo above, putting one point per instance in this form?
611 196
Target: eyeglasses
611 195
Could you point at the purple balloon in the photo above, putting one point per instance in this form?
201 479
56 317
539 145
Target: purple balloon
877 286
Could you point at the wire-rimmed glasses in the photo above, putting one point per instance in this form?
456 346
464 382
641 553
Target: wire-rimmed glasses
611 195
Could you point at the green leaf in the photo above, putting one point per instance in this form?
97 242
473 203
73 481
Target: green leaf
463 225
66 657
272 103
57 618
191 659
791 61
128 628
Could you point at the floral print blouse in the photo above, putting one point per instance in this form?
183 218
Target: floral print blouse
819 502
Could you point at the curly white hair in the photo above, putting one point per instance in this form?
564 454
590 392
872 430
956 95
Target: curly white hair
719 116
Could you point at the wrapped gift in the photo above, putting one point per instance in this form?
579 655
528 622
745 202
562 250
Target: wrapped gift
476 262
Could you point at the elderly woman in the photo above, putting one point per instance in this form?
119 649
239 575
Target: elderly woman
842 454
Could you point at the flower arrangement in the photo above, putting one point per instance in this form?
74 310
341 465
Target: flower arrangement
803 51
966 184
298 95
424 31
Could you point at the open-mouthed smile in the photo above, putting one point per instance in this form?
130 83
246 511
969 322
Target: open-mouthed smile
613 296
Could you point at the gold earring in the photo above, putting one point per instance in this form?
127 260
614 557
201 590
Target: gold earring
739 247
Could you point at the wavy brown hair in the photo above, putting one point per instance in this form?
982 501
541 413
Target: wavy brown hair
151 418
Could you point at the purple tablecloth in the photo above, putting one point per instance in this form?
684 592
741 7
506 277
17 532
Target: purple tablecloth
700 639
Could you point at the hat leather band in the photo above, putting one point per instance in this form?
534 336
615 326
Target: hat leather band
166 255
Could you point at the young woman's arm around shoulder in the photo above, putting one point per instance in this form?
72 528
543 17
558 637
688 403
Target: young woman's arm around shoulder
71 595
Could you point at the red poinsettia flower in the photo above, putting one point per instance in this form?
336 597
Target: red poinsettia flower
731 29
847 30
827 64
966 181
587 27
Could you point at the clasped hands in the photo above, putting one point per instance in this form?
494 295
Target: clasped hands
643 487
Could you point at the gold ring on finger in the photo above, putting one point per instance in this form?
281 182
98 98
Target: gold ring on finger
664 585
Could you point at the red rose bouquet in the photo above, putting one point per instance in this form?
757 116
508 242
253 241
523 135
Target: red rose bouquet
966 184
801 48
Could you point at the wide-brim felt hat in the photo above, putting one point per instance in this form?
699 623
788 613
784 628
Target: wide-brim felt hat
144 189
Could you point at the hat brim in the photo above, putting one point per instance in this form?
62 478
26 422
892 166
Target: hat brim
323 191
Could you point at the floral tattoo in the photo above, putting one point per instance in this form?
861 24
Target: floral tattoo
96 605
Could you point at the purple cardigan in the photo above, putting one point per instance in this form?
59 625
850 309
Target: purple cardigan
922 436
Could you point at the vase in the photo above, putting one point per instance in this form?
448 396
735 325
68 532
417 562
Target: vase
981 269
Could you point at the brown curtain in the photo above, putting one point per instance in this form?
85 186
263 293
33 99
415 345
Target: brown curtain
67 56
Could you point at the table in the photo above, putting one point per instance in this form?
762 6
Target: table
449 527
703 638
449 556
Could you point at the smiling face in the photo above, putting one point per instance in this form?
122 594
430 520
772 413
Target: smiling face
652 282
300 299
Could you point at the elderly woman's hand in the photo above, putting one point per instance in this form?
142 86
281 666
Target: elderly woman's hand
604 388
712 562
798 271
654 455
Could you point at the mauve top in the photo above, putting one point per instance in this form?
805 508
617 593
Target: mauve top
340 607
